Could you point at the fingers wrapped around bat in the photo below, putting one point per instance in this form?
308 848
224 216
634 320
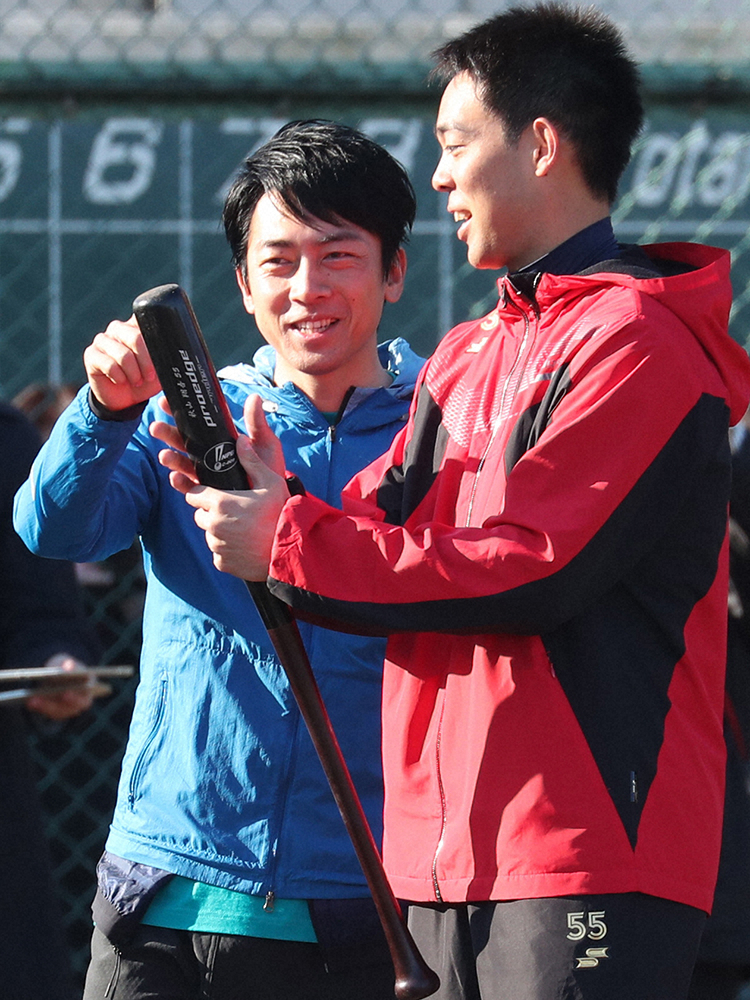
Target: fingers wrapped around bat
169 434
182 474
119 368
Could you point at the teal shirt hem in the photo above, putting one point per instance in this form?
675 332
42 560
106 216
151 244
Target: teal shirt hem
183 904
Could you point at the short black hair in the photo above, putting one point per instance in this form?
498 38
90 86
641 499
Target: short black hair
328 171
567 64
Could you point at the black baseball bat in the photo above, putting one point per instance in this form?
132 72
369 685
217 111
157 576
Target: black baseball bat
191 386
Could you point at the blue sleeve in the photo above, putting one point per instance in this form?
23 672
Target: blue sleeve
91 488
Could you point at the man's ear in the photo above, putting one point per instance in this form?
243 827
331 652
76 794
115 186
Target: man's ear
394 282
546 139
247 299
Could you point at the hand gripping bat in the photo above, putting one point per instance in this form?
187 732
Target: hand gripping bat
188 379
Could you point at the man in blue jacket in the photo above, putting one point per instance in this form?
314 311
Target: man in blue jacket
227 868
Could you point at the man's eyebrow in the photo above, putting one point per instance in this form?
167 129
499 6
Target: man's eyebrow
340 236
270 244
442 127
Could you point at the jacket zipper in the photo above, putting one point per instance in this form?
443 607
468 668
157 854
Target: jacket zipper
443 809
332 429
332 439
114 978
270 899
511 385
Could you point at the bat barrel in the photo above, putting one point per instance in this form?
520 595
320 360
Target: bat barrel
183 364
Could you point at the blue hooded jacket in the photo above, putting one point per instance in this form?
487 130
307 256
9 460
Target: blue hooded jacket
220 782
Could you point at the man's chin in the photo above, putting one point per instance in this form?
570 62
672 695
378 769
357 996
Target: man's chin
484 258
319 366
482 263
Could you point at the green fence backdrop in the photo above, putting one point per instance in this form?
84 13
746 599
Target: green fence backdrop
121 125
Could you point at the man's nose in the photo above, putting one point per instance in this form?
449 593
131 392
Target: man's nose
441 178
310 281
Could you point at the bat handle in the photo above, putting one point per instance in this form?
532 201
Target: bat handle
273 613
414 978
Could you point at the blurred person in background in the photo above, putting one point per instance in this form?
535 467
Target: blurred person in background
41 624
114 587
43 402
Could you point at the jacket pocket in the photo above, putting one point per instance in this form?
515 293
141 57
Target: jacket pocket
140 761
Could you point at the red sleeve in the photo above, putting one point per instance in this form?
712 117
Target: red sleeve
640 427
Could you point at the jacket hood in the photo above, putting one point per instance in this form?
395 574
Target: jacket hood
693 282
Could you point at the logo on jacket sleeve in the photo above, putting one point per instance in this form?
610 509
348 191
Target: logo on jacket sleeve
477 346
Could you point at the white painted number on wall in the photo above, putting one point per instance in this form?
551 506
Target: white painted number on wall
122 161
10 166
400 136
262 129
591 925
10 155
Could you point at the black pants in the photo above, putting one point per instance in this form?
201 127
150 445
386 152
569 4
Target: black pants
163 964
717 982
614 947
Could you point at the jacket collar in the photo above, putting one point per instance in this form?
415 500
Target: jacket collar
585 249
396 356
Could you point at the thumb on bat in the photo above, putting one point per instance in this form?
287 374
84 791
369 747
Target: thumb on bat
261 475
267 446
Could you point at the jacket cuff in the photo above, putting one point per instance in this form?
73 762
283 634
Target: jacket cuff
118 416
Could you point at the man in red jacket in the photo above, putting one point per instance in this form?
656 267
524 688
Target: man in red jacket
545 545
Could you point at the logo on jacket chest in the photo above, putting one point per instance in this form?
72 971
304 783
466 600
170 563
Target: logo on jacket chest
500 378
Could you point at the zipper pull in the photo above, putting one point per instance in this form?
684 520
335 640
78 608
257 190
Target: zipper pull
270 898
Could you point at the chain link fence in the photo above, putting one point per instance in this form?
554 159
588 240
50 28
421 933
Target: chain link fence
121 125
226 44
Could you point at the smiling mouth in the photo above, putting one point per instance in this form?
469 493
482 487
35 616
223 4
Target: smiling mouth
310 327
462 218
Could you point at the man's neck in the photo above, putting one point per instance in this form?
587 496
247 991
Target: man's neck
327 391
585 248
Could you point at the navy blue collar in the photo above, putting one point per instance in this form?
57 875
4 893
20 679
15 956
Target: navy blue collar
587 248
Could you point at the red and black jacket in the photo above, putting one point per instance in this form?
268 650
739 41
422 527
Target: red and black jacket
545 546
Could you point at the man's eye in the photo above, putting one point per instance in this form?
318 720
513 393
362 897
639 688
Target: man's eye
340 256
